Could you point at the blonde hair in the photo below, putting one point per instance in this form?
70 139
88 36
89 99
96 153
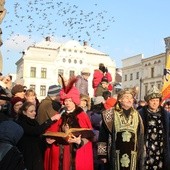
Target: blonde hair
30 91
87 99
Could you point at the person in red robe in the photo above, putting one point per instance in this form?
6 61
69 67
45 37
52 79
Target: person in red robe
77 154
52 151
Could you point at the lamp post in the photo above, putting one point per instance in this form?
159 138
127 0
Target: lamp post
140 87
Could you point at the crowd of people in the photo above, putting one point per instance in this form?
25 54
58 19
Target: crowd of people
125 136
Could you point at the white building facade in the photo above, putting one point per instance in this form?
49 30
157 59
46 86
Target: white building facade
40 65
143 73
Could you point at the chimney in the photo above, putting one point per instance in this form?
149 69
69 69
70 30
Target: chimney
47 38
85 43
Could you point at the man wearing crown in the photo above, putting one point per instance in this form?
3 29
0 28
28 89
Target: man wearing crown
121 137
157 132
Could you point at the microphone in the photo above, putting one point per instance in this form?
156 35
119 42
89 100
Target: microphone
63 110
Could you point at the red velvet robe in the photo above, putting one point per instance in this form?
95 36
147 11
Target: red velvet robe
83 157
52 152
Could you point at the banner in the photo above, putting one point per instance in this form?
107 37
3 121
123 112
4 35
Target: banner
166 83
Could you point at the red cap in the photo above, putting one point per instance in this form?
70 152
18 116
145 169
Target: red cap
110 102
70 91
73 94
15 100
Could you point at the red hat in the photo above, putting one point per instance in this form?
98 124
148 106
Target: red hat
70 91
15 100
110 102
73 94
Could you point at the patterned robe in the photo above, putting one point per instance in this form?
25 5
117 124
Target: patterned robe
157 138
121 139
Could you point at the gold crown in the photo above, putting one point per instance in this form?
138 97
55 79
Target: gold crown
153 93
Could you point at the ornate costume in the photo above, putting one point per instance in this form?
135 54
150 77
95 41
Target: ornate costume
121 139
156 138
157 132
71 156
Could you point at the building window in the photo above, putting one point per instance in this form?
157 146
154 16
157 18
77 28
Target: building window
64 49
32 86
137 75
72 73
75 51
125 77
61 72
152 72
42 90
64 60
75 61
69 50
81 61
43 73
33 72
69 60
131 76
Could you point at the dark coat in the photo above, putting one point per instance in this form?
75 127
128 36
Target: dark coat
4 114
108 143
31 144
95 115
13 159
166 126
10 157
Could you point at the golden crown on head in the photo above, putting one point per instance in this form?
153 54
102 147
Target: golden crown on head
153 93
131 91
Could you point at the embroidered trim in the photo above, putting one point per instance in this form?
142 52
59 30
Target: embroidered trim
102 148
108 118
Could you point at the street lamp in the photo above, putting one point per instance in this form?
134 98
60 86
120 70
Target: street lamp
140 87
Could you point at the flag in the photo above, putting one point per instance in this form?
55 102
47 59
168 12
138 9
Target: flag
166 83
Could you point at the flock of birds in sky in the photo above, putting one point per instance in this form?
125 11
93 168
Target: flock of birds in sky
56 19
